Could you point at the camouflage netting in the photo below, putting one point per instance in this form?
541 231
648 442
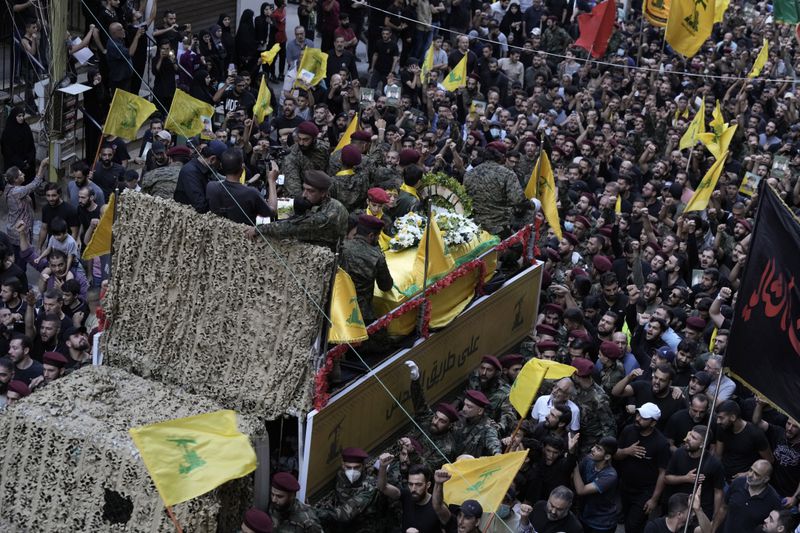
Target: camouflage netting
70 465
195 304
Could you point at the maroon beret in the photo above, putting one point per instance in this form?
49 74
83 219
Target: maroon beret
547 345
308 128
477 397
578 271
492 360
448 410
408 156
584 221
589 196
361 135
371 223
285 481
378 195
554 308
570 238
54 359
605 231
351 156
19 387
602 263
552 254
500 146
610 350
745 223
544 329
512 359
584 366
179 150
258 521
354 455
696 323
416 445
578 334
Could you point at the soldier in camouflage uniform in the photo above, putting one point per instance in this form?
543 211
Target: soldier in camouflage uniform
351 183
308 153
364 261
388 172
357 506
611 371
162 181
439 424
290 515
512 366
487 378
408 451
597 420
477 434
495 191
324 224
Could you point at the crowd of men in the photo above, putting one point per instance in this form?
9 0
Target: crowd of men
637 294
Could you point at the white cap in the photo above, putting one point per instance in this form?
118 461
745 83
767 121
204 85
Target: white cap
536 31
650 410
164 135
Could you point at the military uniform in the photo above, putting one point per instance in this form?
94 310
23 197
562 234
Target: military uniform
297 161
161 181
610 376
323 224
350 188
500 409
356 507
597 421
444 442
366 265
478 438
299 518
495 190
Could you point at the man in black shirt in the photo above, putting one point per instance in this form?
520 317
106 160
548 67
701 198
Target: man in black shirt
56 207
235 201
677 515
340 59
554 515
739 443
750 499
107 173
239 97
25 368
384 59
88 210
658 391
682 470
416 502
684 420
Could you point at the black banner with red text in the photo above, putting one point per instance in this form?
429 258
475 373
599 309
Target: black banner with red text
764 347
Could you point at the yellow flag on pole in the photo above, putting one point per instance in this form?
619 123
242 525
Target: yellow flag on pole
696 127
427 65
761 60
719 138
457 77
268 56
542 185
263 106
530 378
618 204
719 10
348 132
702 195
656 12
186 114
100 243
313 67
347 321
485 479
187 457
439 261
689 25
127 114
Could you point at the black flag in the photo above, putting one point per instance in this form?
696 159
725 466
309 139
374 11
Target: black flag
764 348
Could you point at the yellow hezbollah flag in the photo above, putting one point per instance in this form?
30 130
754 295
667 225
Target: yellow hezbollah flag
268 56
263 105
427 65
187 457
689 25
457 77
347 322
721 6
100 243
618 204
542 185
351 129
720 136
313 67
529 379
127 114
186 114
761 60
696 127
656 12
702 195
439 261
485 479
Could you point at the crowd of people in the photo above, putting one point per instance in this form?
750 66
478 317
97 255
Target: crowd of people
637 293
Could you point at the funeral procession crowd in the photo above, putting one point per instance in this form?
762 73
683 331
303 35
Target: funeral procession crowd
639 282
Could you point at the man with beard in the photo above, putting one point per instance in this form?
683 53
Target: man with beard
680 423
477 436
606 326
56 262
487 378
641 461
239 97
658 390
613 300
440 422
783 521
287 512
53 364
418 511
554 515
466 519
77 344
647 337
6 377
307 154
512 366
195 175
682 470
786 444
161 181
597 419
726 385
288 120
739 442
56 207
354 506
88 210
25 368
552 468
107 173
749 500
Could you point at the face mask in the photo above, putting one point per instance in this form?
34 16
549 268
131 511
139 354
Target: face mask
495 132
504 511
352 474
569 226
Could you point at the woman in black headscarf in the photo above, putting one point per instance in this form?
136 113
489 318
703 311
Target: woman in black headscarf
17 144
213 51
200 87
227 39
246 45
96 102
511 25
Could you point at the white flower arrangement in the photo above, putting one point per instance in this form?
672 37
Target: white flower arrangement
456 229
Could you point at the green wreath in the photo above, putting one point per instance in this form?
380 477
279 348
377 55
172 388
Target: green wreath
446 192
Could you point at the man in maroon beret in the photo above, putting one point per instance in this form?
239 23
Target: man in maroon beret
439 421
478 436
286 511
350 183
364 262
53 364
256 521
512 365
306 154
16 391
609 365
162 181
548 350
352 507
597 420
487 378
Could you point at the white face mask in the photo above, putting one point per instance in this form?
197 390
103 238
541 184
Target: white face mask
504 511
352 474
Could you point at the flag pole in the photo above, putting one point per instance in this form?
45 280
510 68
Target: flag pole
421 317
174 519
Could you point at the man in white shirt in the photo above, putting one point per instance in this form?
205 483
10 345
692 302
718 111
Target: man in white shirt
562 392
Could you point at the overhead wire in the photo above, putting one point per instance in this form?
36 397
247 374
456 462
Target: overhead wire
286 267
